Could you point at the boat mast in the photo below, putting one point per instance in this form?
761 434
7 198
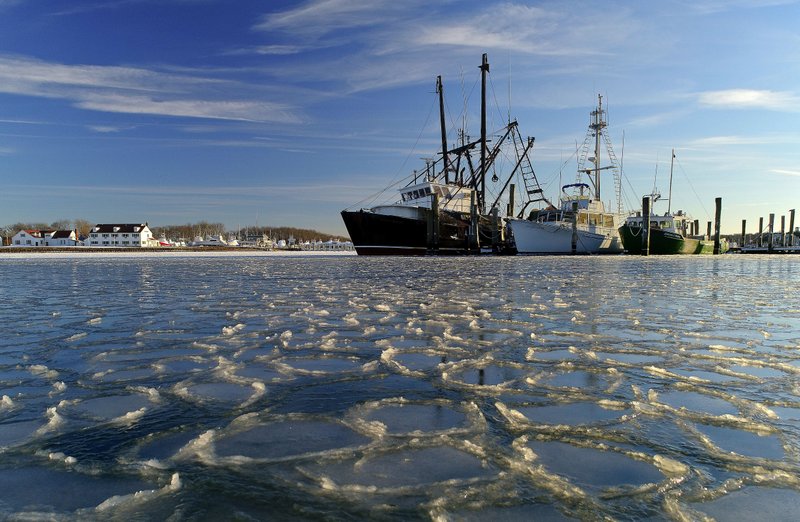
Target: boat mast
482 180
669 199
439 90
597 126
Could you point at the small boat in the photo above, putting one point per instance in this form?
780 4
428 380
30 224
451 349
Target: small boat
581 225
210 241
671 233
668 235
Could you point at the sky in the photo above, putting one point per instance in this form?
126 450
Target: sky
284 113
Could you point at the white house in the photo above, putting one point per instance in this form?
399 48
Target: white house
130 235
38 238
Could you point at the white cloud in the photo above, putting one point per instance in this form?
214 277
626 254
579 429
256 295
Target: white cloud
224 110
278 50
786 172
136 91
319 17
718 6
521 28
730 140
105 129
750 98
379 39
744 143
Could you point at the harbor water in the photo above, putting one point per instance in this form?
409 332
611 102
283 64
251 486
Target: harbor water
193 387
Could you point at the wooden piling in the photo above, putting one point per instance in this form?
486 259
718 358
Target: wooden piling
495 229
433 225
708 231
646 226
744 229
791 228
760 231
473 237
511 190
783 231
696 227
574 243
717 219
771 229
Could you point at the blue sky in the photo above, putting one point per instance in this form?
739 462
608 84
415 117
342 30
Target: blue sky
284 113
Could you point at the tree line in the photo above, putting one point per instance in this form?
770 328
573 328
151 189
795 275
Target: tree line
191 230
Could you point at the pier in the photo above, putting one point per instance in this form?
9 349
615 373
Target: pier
770 241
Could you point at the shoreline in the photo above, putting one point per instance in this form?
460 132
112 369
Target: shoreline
206 251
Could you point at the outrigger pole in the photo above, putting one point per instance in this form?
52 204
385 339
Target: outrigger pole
482 190
439 90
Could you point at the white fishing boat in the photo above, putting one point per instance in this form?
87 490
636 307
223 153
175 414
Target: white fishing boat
581 225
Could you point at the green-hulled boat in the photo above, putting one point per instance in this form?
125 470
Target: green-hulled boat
667 236
668 233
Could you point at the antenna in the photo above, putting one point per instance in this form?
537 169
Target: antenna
669 199
509 87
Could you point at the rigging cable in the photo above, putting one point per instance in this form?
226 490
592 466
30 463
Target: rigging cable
708 215
372 198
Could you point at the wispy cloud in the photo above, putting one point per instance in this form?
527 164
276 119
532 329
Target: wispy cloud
104 129
380 38
223 110
79 8
729 140
793 173
717 6
266 50
525 29
320 17
137 91
750 98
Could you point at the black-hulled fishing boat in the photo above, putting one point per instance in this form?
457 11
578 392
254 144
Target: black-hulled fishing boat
444 209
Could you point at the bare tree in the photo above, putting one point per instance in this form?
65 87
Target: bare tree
61 224
83 227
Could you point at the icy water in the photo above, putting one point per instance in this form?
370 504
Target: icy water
330 388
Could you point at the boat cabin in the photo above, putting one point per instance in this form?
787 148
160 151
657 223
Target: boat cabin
451 197
677 222
589 211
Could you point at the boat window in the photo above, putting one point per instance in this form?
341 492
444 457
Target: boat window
667 224
427 191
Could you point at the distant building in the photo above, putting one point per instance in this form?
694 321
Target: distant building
40 238
124 235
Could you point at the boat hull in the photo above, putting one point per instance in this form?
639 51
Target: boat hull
383 234
553 238
664 242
